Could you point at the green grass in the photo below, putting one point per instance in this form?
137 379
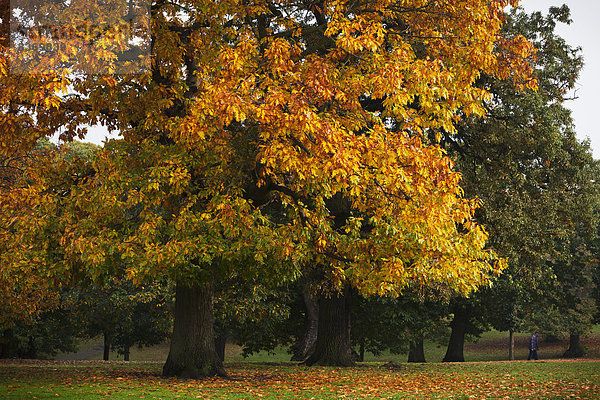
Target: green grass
270 376
98 380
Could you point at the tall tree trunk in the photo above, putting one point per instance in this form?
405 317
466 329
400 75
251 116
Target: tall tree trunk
575 349
192 353
551 338
5 342
333 334
306 344
361 353
511 345
31 348
220 342
416 354
126 352
107 344
456 345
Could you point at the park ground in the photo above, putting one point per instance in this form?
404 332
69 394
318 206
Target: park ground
271 376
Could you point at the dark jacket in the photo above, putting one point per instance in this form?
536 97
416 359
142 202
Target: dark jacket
533 343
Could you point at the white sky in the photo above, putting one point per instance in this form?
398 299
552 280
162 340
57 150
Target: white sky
98 134
583 32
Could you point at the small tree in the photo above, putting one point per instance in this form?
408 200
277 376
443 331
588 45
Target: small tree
46 335
125 314
252 315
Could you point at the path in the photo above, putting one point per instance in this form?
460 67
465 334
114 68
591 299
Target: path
83 354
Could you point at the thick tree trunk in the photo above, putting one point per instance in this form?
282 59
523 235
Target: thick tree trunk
192 353
126 353
361 353
456 345
551 338
5 343
511 345
575 349
333 334
107 343
31 351
305 346
220 342
416 354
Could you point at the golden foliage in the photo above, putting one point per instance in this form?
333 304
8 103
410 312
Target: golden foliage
270 134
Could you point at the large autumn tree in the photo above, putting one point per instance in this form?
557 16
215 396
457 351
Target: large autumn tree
264 136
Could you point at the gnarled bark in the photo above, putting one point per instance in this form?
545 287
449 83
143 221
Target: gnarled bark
306 344
333 333
192 353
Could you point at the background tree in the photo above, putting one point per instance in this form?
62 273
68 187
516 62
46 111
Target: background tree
254 316
570 302
22 297
469 318
24 293
124 314
535 180
150 321
400 325
42 337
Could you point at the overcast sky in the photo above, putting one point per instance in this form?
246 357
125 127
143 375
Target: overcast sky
583 32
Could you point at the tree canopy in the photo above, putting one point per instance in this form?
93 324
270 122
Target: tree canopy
263 136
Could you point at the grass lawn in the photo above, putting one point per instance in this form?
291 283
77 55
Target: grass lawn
271 376
117 380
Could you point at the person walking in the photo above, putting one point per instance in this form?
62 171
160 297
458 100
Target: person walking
533 346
